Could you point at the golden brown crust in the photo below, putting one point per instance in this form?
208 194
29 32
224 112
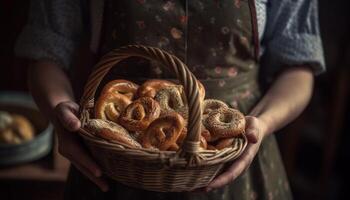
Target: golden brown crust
225 123
23 127
110 106
111 131
151 87
163 132
173 147
122 87
139 114
16 129
182 136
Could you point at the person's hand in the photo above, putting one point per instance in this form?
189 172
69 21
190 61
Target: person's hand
71 147
255 131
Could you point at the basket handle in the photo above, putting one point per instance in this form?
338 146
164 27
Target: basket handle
190 146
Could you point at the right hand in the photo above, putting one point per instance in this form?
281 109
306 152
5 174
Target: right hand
71 147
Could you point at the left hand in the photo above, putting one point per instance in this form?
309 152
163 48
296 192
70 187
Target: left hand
255 131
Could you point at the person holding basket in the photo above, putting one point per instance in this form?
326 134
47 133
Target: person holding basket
257 56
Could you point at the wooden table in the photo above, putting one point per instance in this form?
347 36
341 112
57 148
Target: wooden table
53 167
42 179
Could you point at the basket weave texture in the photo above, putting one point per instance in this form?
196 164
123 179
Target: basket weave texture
162 171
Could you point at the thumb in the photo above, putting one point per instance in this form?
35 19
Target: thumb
252 129
65 113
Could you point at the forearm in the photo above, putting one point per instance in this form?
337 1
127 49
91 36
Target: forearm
286 99
49 86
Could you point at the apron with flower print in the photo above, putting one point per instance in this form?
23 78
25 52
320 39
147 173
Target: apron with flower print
218 40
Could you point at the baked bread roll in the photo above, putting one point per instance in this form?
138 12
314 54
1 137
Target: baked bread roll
225 123
23 127
122 87
163 132
139 114
171 99
139 118
111 131
15 129
210 105
110 105
151 87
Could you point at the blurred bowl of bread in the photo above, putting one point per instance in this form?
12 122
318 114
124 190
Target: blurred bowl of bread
25 134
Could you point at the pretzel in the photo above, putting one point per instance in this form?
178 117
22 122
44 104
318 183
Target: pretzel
163 132
139 114
151 87
110 105
122 87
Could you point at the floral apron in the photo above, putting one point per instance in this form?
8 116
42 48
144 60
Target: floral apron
218 40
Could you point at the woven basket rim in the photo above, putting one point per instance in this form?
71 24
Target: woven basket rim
142 153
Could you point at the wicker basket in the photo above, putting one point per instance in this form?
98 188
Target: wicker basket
162 171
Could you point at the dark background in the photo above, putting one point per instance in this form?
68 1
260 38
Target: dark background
315 147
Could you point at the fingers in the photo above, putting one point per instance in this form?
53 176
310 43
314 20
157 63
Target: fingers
70 146
66 114
252 129
240 165
72 149
237 168
228 176
100 182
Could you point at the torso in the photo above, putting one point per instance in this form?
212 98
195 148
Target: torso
218 40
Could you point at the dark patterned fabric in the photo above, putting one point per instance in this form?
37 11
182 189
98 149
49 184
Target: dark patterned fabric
216 40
